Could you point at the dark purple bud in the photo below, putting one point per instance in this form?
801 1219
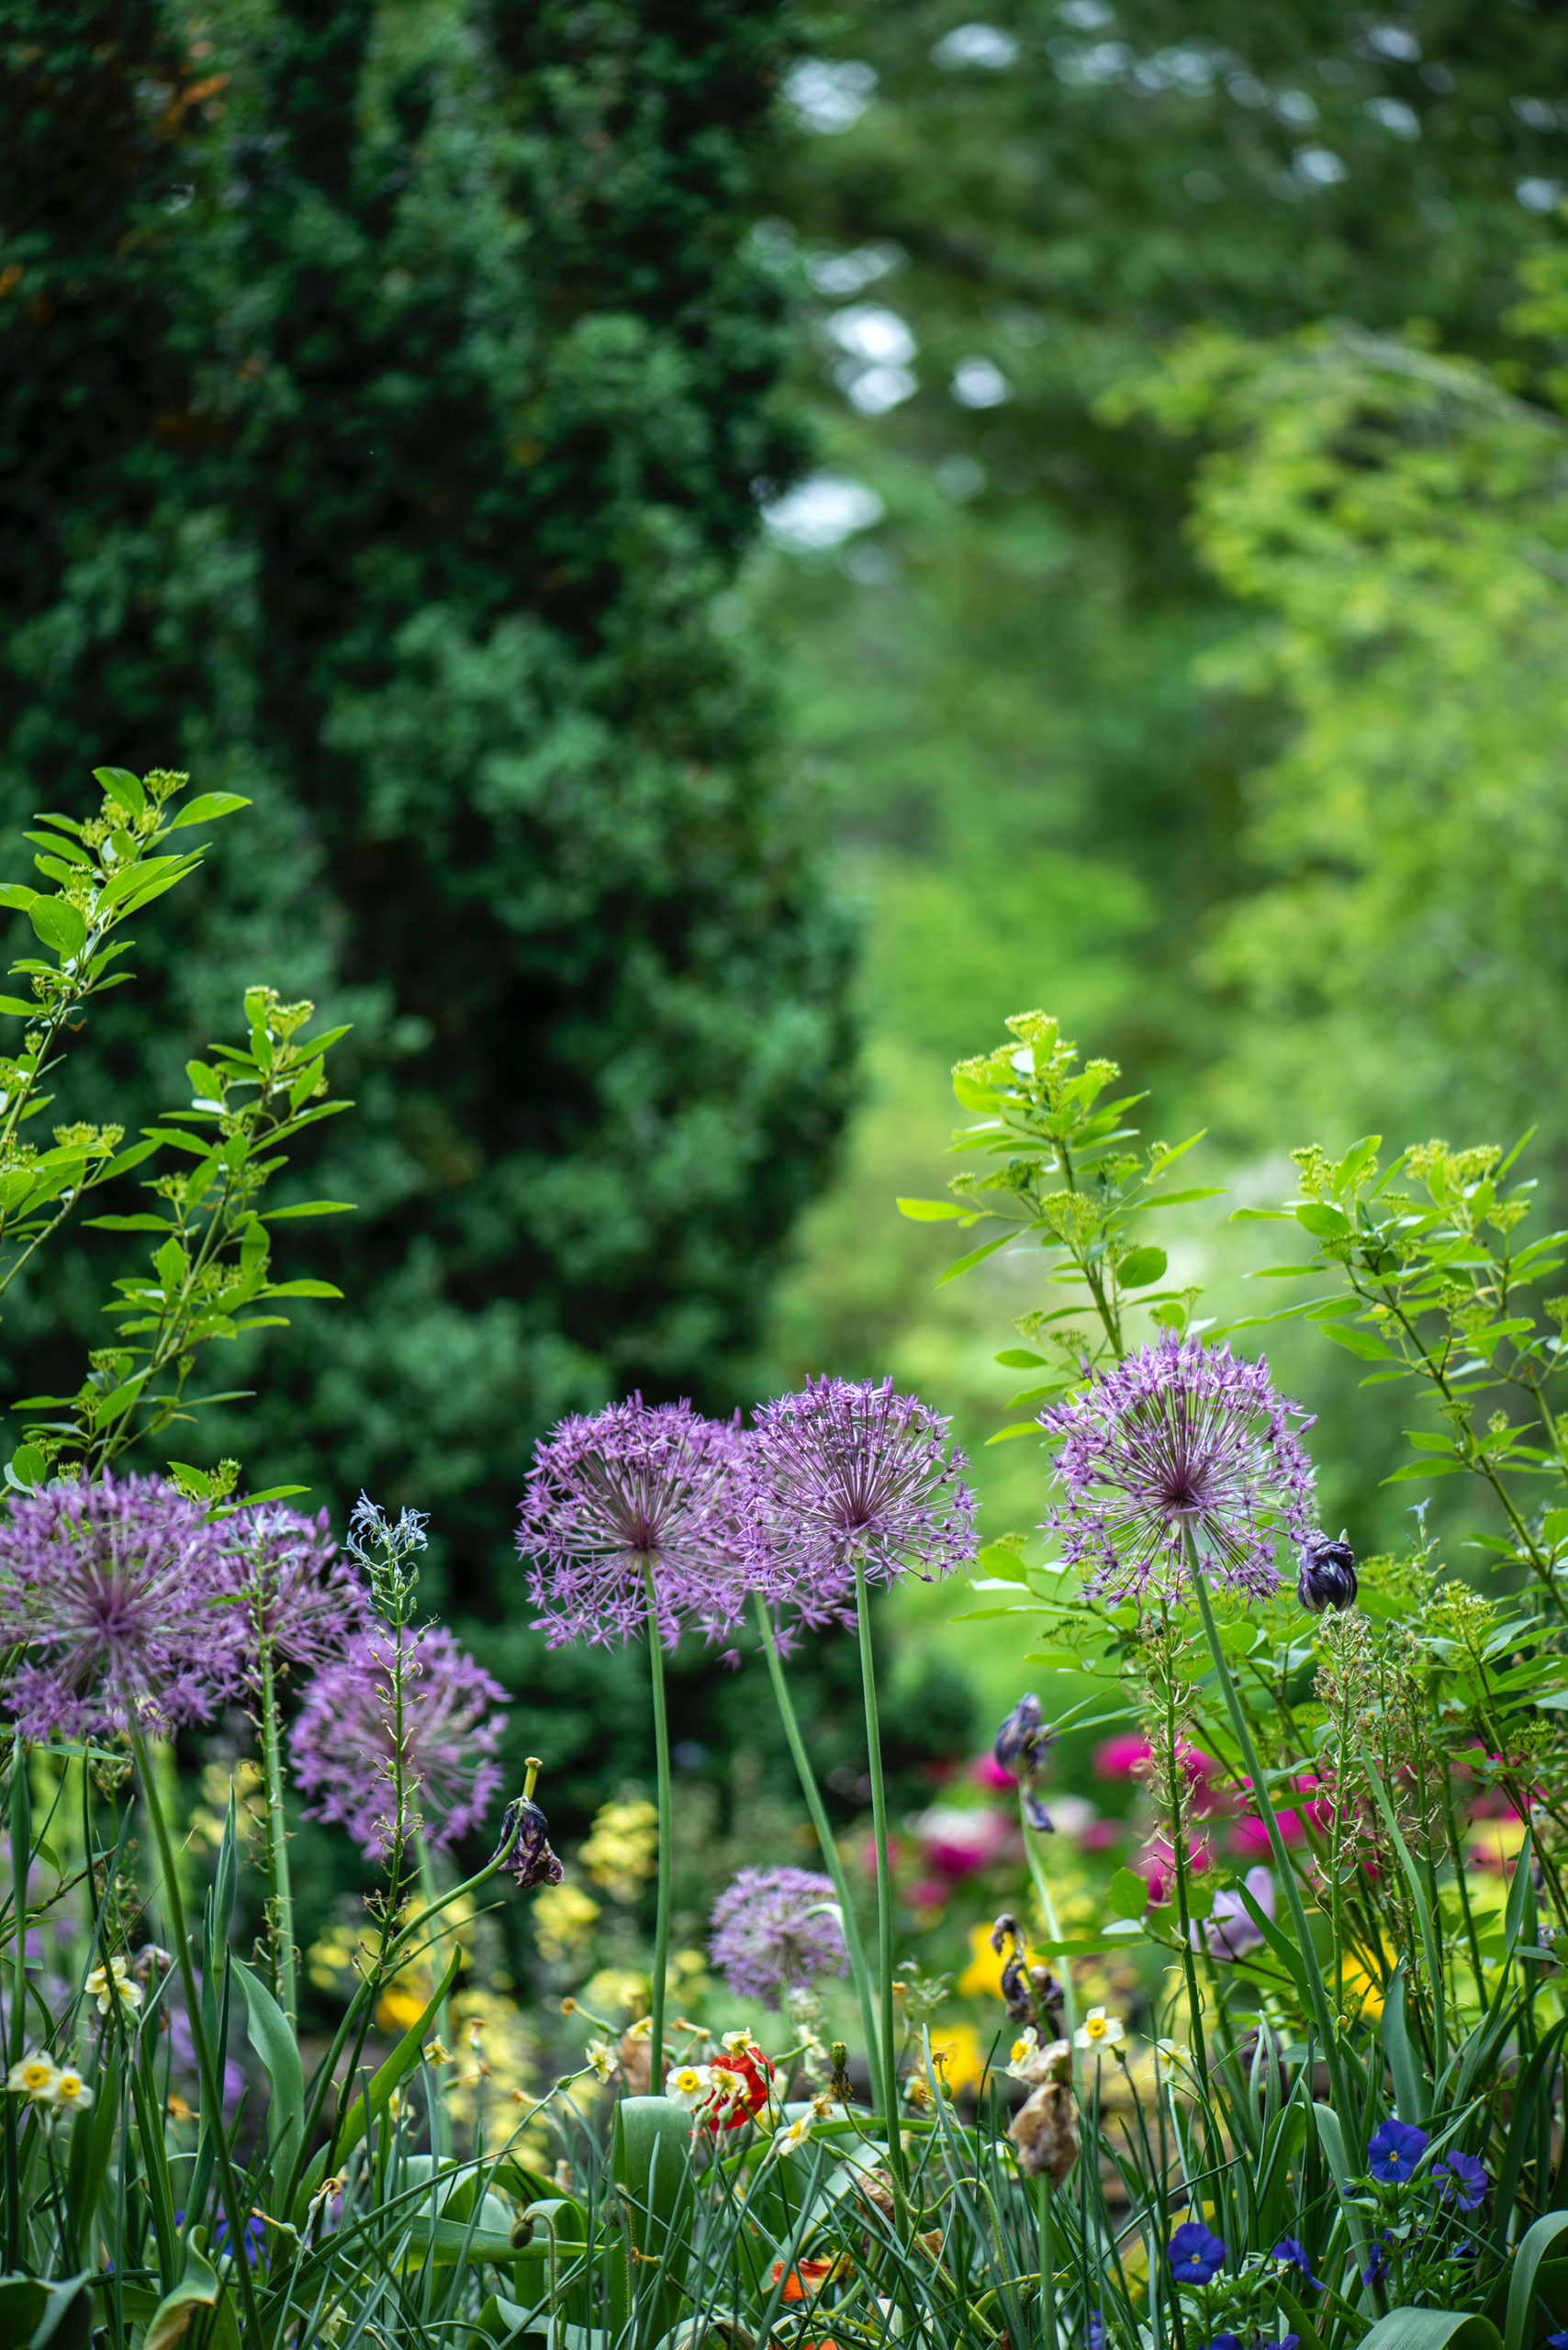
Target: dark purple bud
1023 1741
524 1851
1038 1817
1327 1577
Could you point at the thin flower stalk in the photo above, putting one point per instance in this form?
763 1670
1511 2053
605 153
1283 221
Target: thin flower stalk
888 2045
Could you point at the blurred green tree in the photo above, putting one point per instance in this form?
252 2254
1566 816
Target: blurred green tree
386 396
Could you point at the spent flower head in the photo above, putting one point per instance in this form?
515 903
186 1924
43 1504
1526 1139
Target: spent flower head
772 1930
418 1687
113 1595
1182 1439
849 1471
634 1512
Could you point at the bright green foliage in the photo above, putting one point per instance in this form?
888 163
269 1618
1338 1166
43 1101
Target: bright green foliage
387 395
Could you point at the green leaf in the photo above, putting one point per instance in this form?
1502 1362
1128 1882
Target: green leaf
1323 1222
272 2037
1430 2329
126 1223
301 1288
975 1256
371 2101
312 1207
931 1211
206 807
1361 1342
121 785
197 2289
1018 1358
1518 2326
1019 1428
1142 1267
1126 1896
16 896
59 925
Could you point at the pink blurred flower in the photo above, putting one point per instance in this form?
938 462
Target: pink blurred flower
931 1893
957 1843
1156 1865
1100 1835
1118 1757
987 1772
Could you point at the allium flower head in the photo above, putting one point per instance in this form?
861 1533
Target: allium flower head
635 1492
772 1929
291 1588
1178 1438
345 1746
846 1469
114 1591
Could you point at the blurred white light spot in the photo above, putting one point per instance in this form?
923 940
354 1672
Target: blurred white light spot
1105 61
979 383
1318 166
842 274
820 513
1395 115
874 390
867 331
1540 196
1539 113
1393 40
1085 16
961 476
830 94
1247 89
869 567
985 44
1294 107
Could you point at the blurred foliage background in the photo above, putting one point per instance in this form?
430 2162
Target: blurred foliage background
643 496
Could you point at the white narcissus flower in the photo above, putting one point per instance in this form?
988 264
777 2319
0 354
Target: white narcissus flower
1022 2054
794 2136
1099 2031
70 2089
35 2077
107 1983
600 2059
689 2085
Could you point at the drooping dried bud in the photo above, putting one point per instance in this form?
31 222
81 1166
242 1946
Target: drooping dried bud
1022 1741
1045 2131
523 1852
839 2056
1048 1998
1007 1940
1327 1577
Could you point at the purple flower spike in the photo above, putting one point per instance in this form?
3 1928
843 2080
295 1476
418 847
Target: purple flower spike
291 1589
115 1592
1178 1437
772 1929
343 1739
843 1471
636 1489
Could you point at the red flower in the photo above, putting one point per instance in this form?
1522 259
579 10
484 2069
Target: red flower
742 2076
804 2280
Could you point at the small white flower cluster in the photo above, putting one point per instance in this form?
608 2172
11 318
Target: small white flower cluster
57 2088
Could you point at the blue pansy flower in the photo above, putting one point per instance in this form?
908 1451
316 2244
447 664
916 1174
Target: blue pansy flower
1195 2255
1289 2250
1461 2180
1225 2342
1393 2152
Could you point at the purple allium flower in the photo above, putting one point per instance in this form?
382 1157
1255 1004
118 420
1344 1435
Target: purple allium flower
1294 2252
1195 2255
115 1590
845 1471
289 1586
637 1491
1393 2150
1461 2180
1179 1436
1328 1575
343 1739
771 1929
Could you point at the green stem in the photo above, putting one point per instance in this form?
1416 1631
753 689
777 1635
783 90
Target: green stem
431 1892
1048 2262
884 1879
212 2099
835 1866
1317 1999
1049 1913
666 1843
280 1906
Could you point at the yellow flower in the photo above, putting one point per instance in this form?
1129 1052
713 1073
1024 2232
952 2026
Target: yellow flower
35 2077
982 1979
959 2053
794 2136
111 1983
563 1917
1098 2031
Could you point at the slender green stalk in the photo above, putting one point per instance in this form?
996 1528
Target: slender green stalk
1048 2262
212 2099
431 1893
1049 1913
280 1899
666 1841
884 1880
835 1866
1281 1859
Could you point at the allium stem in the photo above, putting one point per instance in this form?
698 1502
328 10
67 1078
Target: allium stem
1317 1999
884 1877
666 1845
831 1861
1048 1911
212 2098
1048 2262
431 1894
280 1897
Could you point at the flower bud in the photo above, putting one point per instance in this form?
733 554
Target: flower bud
1022 1742
524 1849
1327 1577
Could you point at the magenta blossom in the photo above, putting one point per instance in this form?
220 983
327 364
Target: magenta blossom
345 1740
1181 1440
113 1595
633 1514
844 1473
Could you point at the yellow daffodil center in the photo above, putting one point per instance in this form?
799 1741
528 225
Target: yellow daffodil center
1095 2026
68 2087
